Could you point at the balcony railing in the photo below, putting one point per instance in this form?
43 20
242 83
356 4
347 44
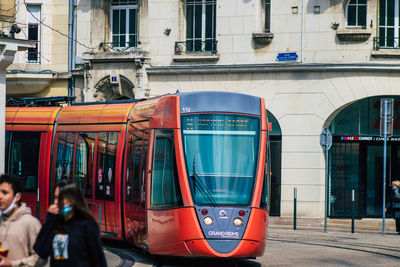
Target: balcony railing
33 54
119 46
386 43
196 47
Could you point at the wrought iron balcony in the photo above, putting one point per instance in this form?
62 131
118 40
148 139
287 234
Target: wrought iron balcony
196 47
119 46
33 54
386 43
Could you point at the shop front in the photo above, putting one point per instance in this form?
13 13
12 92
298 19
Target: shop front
356 159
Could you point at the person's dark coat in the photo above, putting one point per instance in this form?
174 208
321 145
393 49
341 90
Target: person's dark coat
394 203
75 242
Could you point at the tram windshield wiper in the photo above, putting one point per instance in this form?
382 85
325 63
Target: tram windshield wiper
200 185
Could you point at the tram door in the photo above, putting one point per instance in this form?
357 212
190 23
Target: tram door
105 182
135 186
23 160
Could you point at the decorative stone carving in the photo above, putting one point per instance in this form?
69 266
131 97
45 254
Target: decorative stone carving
105 91
263 38
127 88
353 35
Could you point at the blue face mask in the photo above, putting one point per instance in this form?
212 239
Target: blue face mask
66 210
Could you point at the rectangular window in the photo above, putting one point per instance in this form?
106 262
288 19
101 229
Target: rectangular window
357 13
267 11
106 162
389 25
165 188
124 24
34 16
200 25
24 158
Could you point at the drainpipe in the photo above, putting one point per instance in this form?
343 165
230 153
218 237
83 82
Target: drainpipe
70 35
302 31
74 34
71 45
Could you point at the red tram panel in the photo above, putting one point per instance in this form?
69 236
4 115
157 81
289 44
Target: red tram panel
19 121
183 175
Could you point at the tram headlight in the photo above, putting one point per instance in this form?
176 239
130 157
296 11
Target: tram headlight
208 220
238 222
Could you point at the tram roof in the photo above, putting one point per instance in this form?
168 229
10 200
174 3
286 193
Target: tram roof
30 115
210 101
159 109
95 114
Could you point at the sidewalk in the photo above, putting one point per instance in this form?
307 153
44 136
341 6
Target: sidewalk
345 224
311 246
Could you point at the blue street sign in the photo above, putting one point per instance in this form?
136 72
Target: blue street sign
284 57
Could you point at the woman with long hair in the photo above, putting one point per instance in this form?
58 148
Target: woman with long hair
71 235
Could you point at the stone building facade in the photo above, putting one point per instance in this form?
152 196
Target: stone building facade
42 70
312 61
318 64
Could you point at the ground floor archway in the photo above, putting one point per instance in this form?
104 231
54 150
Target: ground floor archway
275 137
356 159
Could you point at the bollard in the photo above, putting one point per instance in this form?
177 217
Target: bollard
294 208
352 211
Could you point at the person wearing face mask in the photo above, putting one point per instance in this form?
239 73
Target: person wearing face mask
70 235
394 204
18 228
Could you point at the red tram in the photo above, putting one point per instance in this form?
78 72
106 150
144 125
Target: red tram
184 174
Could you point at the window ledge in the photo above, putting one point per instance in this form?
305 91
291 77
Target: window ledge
263 38
195 57
112 56
386 53
354 35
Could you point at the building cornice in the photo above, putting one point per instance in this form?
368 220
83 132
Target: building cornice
252 68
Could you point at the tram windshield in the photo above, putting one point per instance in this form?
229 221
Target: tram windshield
221 152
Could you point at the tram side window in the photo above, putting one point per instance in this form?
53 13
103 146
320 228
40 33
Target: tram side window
143 169
24 158
133 181
65 150
137 155
165 184
84 161
265 197
106 156
129 160
7 152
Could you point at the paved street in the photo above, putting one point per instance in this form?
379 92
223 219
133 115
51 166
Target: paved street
313 247
288 247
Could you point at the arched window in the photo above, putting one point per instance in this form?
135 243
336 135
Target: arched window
357 13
